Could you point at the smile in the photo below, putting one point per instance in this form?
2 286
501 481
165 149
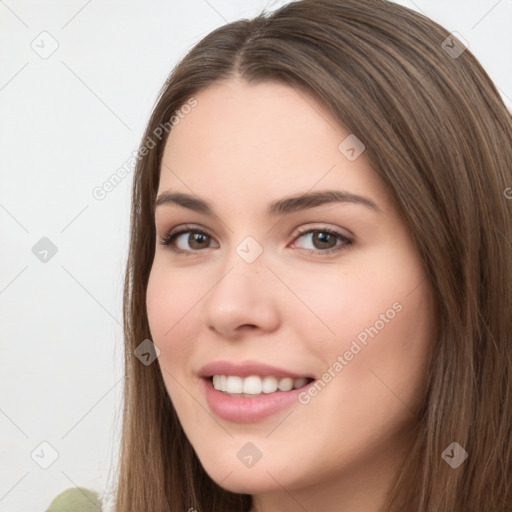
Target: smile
250 391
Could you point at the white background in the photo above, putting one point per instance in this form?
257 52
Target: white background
67 123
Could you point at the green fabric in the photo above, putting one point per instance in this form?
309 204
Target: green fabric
77 499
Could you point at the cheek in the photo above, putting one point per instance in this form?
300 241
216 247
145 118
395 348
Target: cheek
375 330
171 302
338 306
375 370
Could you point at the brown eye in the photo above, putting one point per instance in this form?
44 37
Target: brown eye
195 241
324 240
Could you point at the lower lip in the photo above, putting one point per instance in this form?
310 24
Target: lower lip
247 410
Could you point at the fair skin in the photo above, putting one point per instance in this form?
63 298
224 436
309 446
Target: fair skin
295 306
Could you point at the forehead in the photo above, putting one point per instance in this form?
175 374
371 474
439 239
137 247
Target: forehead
260 140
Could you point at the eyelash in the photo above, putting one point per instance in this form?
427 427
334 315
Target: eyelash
170 237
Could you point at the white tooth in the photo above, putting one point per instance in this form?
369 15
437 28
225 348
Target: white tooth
234 384
298 383
269 384
252 385
285 384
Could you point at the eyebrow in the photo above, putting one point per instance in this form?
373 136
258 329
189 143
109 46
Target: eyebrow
280 207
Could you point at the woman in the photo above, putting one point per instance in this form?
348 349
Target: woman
320 251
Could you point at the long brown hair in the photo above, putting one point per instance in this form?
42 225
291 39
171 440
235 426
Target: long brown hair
439 136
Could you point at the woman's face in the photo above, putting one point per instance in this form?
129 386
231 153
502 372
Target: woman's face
265 287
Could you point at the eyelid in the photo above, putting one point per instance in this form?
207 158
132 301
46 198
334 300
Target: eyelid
188 227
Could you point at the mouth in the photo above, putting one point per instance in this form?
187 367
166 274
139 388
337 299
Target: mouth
256 385
250 392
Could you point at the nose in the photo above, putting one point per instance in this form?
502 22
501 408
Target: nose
242 300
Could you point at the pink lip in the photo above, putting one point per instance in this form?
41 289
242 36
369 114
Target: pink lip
247 410
246 369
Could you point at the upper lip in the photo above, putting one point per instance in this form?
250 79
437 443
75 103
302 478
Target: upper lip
246 369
